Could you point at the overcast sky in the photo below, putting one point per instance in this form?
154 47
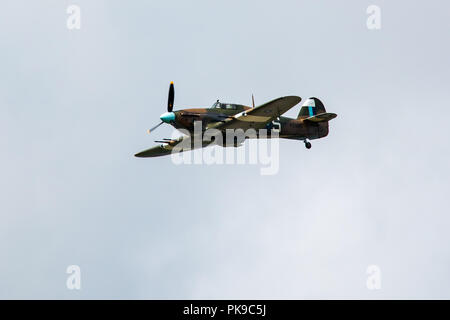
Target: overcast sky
75 106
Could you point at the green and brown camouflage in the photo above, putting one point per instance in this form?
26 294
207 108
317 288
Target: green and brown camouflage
311 123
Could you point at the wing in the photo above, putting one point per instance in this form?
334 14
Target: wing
161 150
258 117
157 151
184 143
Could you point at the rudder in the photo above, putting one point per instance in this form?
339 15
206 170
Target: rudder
311 107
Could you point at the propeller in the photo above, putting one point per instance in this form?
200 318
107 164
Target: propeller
171 97
169 115
151 130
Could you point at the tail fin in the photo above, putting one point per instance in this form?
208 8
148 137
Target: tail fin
311 107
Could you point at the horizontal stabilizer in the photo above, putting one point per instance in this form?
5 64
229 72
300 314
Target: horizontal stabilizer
322 117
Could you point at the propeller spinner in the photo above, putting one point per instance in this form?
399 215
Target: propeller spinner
168 116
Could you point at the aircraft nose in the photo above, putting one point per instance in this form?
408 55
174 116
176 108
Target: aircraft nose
167 117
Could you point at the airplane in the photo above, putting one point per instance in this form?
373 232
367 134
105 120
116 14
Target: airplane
311 123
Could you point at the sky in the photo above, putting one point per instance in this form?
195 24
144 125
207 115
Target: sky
75 106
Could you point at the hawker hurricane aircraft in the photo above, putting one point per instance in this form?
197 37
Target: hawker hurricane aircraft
311 123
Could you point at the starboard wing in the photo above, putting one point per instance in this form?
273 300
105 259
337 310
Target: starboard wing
258 117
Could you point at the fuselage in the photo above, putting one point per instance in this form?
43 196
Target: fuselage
288 128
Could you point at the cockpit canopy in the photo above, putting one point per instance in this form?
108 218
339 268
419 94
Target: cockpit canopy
227 106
